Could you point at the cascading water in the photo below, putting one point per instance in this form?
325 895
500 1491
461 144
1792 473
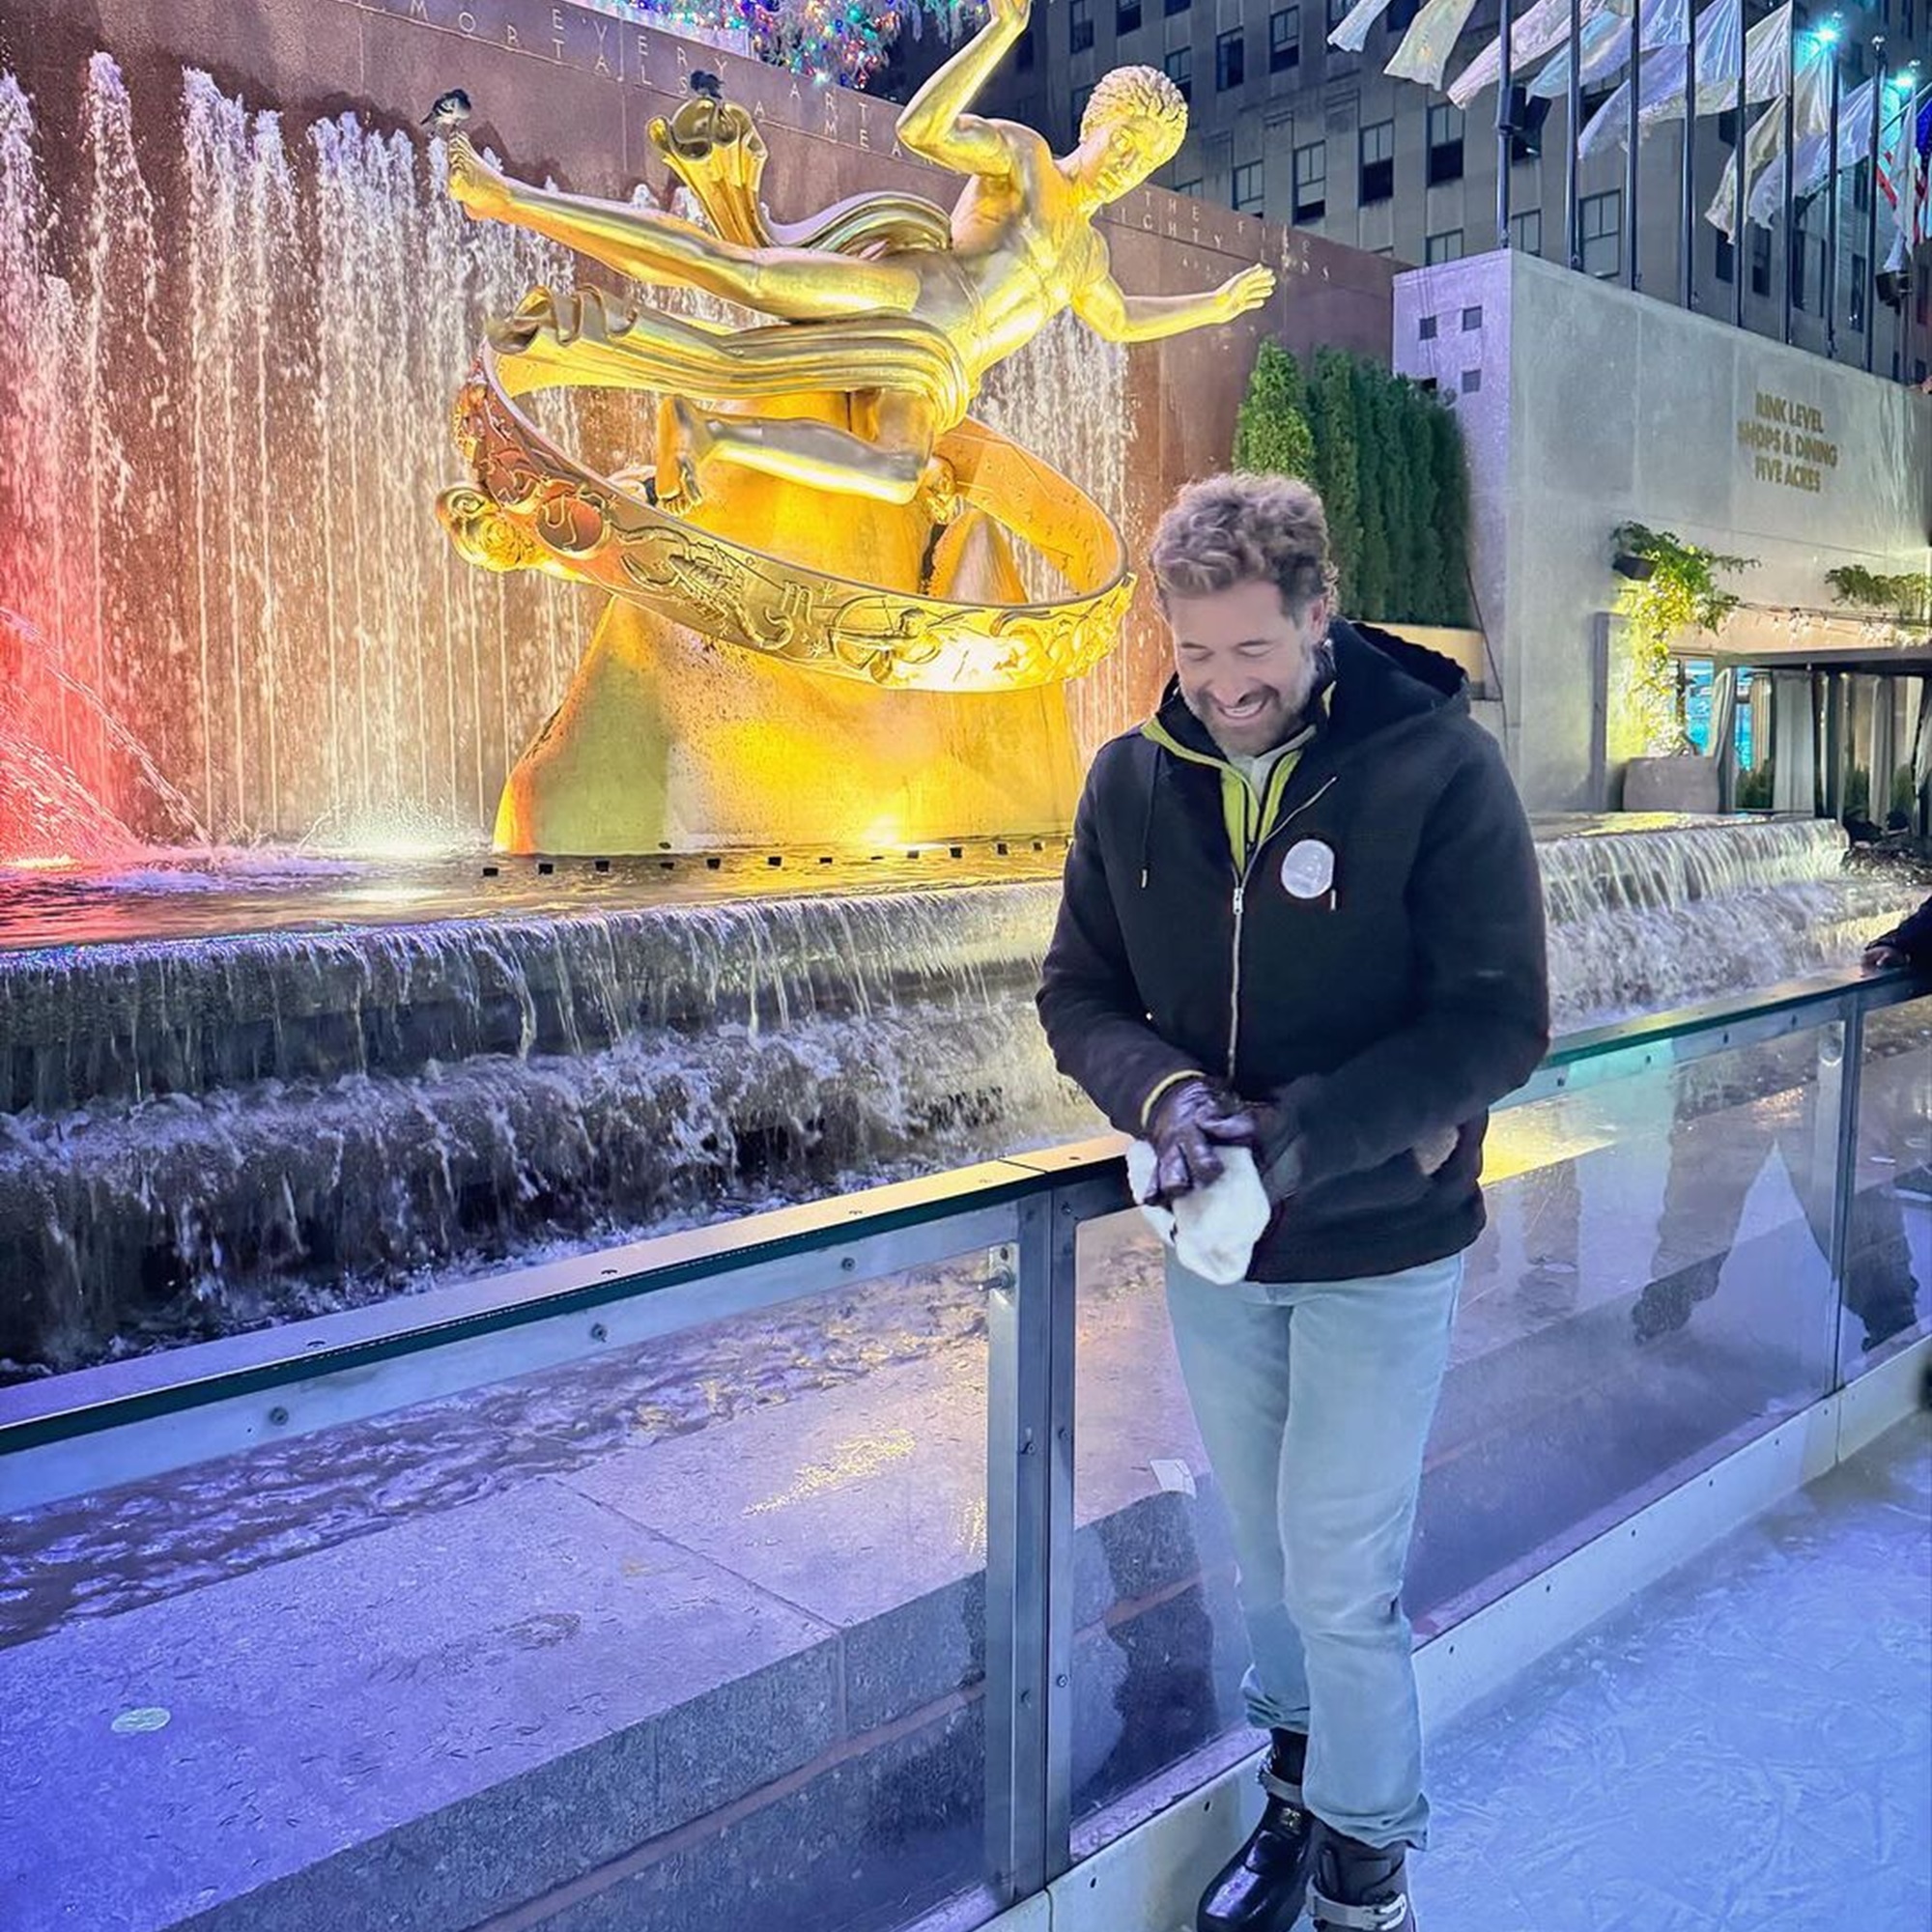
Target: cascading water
227 370
207 1133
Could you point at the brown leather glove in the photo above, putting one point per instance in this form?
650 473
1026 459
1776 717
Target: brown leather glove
1189 1124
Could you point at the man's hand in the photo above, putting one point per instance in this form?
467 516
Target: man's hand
1879 959
1239 293
1191 1122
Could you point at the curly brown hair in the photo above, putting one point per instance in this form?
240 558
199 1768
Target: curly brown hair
1225 531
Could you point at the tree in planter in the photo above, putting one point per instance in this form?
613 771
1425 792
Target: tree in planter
1452 516
1368 393
1426 598
1682 592
1271 432
1337 464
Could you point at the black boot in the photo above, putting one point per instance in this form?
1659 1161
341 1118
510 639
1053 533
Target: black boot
1357 1887
1261 1887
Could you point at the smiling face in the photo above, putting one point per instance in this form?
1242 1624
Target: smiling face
1248 664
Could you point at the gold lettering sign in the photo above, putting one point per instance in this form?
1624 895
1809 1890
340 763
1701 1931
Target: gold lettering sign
1787 442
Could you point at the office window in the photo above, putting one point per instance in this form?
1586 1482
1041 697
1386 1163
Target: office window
1472 380
1283 38
1401 15
1727 263
1179 67
1338 12
1445 144
1425 329
1190 186
1128 17
1526 231
1378 162
1081 97
1760 266
1231 59
1310 182
1174 7
1248 189
1599 218
1727 120
1807 272
1444 247
1859 293
1079 25
1595 97
1861 190
1472 317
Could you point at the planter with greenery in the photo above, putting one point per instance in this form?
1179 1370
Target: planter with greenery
1387 458
1907 598
1678 592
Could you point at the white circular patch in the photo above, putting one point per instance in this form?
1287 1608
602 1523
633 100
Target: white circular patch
1308 869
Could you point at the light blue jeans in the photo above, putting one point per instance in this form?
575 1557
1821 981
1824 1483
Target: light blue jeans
1314 1400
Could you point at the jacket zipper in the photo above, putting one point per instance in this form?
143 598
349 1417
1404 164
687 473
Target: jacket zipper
1240 901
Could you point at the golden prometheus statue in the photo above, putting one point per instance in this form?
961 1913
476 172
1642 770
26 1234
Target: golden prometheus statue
819 492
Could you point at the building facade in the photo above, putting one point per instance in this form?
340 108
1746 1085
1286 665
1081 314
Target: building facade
1285 125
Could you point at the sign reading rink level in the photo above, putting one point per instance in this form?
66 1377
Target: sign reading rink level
1787 442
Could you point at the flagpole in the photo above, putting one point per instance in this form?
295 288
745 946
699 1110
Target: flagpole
1831 208
1790 141
1573 238
1631 278
1505 132
1738 237
1871 204
1687 284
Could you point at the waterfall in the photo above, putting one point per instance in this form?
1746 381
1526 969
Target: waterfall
204 1133
230 368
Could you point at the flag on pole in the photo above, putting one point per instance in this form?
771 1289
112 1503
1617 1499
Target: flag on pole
1432 37
1662 97
1606 46
1351 36
1544 25
1905 171
1812 166
1810 126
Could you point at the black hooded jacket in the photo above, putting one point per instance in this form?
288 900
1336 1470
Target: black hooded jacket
1363 946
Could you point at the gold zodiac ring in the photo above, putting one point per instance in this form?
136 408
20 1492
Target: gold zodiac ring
534 507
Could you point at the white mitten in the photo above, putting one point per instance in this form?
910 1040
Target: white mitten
1212 1229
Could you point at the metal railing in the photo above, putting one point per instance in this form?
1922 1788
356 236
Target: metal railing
89 1431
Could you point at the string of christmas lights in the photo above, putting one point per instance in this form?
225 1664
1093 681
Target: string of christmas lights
824 40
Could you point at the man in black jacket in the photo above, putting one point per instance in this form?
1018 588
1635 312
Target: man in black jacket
1302 915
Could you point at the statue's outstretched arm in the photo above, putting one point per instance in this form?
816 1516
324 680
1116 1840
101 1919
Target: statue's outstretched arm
1117 317
936 126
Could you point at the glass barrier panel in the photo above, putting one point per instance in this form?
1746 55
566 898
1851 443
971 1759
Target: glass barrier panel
1887 1302
1159 1646
1653 1289
689 1623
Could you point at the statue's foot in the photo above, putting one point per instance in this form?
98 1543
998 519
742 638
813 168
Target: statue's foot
481 190
680 456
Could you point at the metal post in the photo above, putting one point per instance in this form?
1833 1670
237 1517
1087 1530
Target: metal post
1831 217
1686 213
1572 238
1738 235
1790 173
1505 133
1019 1456
1633 277
1870 293
1841 1056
